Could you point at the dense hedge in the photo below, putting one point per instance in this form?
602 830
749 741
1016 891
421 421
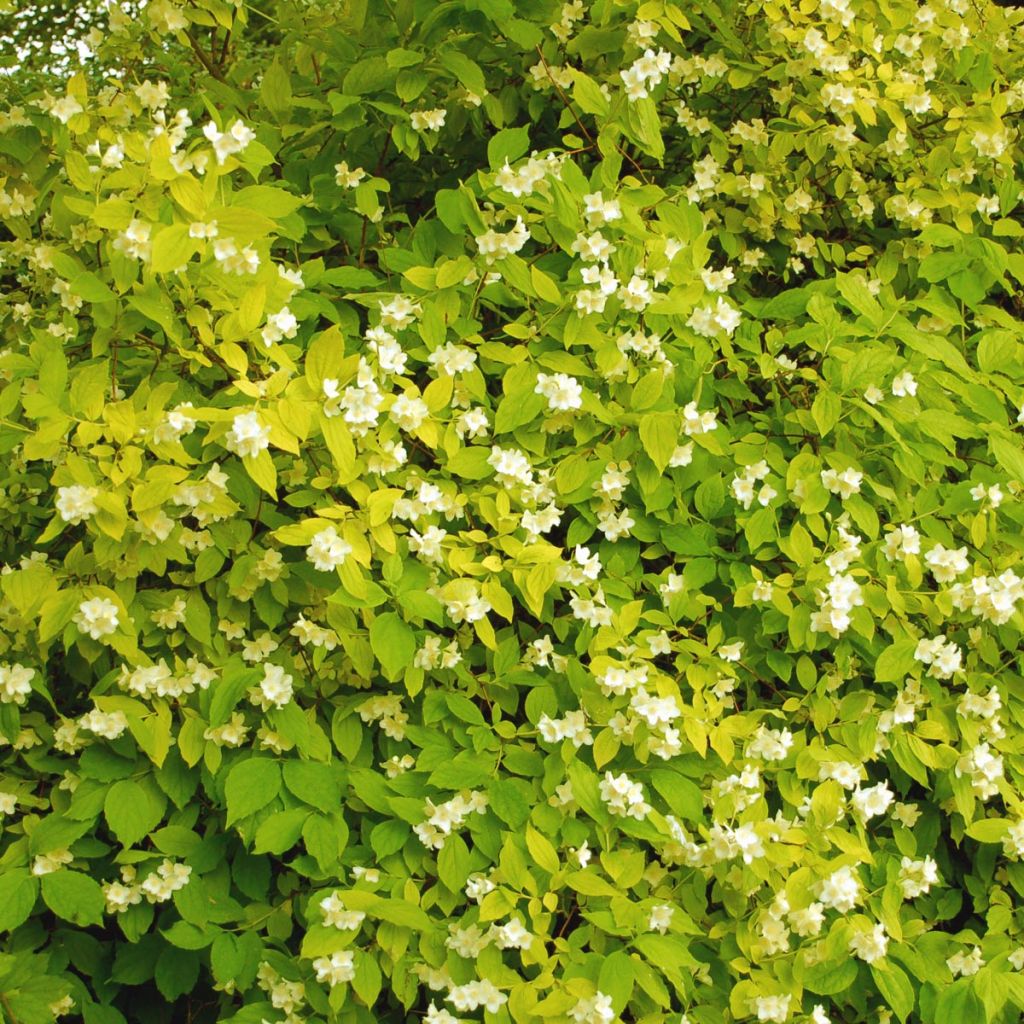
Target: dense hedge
511 511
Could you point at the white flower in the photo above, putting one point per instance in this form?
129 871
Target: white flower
98 617
904 385
275 689
248 436
335 969
870 945
348 178
773 1009
76 503
844 484
661 918
337 916
562 391
428 120
918 876
595 1010
109 725
327 550
870 802
408 412
965 964
841 890
623 796
15 683
279 325
65 108
234 140
600 211
730 652
452 359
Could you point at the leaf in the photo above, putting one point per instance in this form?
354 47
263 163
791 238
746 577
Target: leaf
172 248
681 794
228 691
18 890
393 642
131 811
541 850
276 90
368 980
854 290
263 472
280 832
659 434
1009 453
588 883
176 975
250 785
545 286
826 411
318 785
989 830
616 978
324 841
710 496
643 118
895 662
895 987
958 1003
507 145
74 897
587 93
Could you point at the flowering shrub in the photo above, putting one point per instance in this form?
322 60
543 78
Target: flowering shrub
512 512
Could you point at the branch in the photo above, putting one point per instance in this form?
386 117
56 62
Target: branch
203 59
565 99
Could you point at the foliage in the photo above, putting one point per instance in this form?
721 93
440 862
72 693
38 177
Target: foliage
512 511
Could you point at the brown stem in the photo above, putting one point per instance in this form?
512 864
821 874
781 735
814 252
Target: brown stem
203 59
564 98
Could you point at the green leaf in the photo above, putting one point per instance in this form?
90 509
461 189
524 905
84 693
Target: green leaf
895 662
172 248
508 144
895 987
616 979
826 411
280 832
228 691
541 850
1009 453
176 975
989 830
587 93
18 891
250 785
368 980
132 812
324 841
318 785
74 897
659 434
710 496
263 472
958 1003
393 642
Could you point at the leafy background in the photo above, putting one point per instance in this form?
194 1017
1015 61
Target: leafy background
792 451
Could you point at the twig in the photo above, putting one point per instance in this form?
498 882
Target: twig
565 99
203 59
